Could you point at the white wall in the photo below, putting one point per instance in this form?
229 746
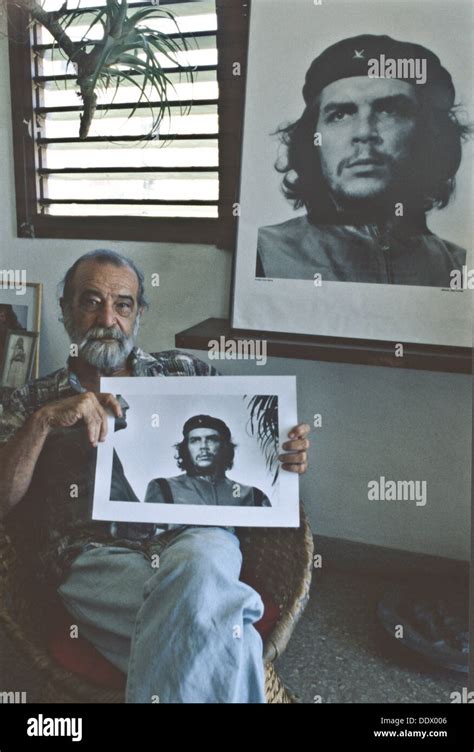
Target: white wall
402 424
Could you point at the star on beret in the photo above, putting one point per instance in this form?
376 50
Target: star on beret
359 55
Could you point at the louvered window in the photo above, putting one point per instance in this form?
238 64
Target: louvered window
123 180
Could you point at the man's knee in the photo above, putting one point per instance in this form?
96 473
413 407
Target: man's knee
107 575
205 551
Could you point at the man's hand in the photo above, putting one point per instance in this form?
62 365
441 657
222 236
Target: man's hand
90 407
297 460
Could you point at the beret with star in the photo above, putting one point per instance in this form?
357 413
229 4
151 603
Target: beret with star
350 57
206 421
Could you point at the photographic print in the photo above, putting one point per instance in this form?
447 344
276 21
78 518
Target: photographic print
20 309
18 355
11 317
198 450
356 184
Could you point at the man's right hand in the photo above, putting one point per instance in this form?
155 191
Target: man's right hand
90 407
19 455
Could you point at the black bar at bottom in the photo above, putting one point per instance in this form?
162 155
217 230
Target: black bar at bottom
381 726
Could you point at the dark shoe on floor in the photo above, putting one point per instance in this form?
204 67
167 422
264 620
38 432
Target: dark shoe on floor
433 624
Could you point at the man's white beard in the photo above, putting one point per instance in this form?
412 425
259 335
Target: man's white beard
106 356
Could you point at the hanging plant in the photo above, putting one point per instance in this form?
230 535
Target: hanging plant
128 51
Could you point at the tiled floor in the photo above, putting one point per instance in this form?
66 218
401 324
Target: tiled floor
339 654
335 655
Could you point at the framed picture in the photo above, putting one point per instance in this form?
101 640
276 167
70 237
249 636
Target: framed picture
18 358
355 208
20 309
198 451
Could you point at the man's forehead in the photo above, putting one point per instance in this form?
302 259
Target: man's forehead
361 89
107 278
199 432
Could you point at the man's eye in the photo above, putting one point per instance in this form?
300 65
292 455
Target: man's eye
337 116
394 108
124 306
92 302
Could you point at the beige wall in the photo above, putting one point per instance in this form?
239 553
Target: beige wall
402 424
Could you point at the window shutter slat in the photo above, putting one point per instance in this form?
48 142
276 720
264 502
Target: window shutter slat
118 169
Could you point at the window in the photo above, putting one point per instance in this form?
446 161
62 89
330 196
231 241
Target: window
121 182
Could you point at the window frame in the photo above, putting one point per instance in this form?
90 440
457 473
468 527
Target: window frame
232 47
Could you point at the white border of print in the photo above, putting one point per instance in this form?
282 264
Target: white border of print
397 313
286 514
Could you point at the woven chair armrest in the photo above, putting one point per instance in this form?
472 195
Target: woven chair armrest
8 560
278 640
280 561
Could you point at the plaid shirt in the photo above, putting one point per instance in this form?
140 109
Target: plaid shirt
53 522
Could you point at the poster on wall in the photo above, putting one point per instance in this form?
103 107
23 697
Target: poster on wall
199 450
355 208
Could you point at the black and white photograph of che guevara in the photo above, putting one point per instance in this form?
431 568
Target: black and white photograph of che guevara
217 454
355 203
204 455
376 149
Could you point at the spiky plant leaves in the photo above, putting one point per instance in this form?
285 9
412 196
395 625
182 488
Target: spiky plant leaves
263 423
126 41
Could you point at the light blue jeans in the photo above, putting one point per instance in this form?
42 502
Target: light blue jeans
182 632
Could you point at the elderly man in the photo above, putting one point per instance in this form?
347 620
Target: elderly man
377 146
171 629
205 453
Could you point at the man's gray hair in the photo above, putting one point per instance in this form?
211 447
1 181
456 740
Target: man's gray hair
104 256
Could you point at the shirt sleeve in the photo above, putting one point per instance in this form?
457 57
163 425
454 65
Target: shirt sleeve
153 493
13 414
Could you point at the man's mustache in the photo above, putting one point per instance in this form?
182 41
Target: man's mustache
101 333
372 157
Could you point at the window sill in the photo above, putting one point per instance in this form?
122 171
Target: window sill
148 229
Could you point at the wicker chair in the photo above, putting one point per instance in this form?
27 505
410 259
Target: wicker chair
278 561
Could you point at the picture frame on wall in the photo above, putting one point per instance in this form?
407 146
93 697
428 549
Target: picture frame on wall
18 358
347 234
20 310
